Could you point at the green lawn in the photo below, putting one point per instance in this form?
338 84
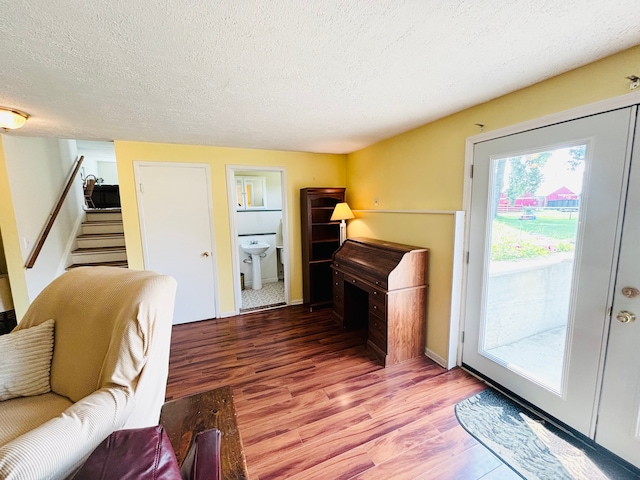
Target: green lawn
556 225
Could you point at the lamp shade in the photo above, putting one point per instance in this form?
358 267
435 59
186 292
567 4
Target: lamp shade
342 212
12 119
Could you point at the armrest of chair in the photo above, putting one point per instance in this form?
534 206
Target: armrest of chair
132 454
203 458
58 447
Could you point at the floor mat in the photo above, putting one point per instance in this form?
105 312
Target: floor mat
531 446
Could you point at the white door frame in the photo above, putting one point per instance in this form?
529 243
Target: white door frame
233 228
602 106
145 258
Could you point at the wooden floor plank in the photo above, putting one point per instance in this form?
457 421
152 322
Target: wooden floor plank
478 462
427 459
343 467
318 452
331 424
310 404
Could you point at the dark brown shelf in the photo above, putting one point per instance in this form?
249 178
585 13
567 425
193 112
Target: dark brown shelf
320 239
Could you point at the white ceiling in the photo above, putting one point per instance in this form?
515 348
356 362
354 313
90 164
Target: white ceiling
319 76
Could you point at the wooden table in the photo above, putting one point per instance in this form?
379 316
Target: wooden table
183 418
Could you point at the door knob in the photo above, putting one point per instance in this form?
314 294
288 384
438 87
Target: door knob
206 254
626 317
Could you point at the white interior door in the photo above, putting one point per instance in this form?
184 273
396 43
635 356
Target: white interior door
174 203
619 415
541 255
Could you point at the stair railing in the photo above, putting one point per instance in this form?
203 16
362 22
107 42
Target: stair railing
54 214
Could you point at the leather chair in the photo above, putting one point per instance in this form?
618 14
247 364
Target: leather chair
146 453
108 372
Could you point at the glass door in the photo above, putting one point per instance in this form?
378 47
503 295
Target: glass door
543 226
619 412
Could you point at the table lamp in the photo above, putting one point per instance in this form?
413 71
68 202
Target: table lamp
342 212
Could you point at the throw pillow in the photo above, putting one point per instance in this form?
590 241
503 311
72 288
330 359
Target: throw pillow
25 361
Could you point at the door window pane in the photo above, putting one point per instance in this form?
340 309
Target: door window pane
534 213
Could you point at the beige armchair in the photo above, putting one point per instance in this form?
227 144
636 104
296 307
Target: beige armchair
109 369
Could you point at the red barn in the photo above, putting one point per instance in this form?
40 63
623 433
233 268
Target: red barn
564 198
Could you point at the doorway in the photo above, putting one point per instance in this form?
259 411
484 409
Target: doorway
176 224
99 174
257 212
546 225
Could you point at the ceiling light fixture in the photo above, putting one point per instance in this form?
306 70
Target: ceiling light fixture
11 119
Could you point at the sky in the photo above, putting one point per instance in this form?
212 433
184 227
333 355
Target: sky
556 174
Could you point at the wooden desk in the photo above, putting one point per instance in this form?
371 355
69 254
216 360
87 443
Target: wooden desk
382 286
184 417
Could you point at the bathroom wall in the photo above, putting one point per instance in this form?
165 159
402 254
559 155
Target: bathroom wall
268 219
263 225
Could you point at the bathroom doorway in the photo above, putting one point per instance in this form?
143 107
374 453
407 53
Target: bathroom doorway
257 213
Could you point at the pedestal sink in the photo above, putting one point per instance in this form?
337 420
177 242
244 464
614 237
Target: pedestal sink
255 250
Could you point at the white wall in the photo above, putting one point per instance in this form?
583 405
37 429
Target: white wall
108 171
99 160
38 169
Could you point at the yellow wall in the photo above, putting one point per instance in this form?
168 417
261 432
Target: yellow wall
302 170
11 242
423 169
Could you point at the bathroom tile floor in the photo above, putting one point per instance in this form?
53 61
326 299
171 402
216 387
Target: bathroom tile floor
270 295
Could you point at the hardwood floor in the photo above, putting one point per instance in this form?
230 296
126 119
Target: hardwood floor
311 405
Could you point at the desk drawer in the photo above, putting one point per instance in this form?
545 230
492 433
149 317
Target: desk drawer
338 284
378 303
357 282
370 277
378 332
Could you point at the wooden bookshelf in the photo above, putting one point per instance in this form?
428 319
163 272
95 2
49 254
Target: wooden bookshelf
320 240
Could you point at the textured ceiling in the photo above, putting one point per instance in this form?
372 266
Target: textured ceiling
319 76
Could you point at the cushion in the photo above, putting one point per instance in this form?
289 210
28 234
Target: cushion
133 454
25 362
21 415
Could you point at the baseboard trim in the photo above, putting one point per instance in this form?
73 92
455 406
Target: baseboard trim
228 314
66 260
436 358
299 301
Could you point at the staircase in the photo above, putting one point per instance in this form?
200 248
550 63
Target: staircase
101 240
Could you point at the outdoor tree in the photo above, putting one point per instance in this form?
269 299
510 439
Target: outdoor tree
577 156
525 176
499 176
